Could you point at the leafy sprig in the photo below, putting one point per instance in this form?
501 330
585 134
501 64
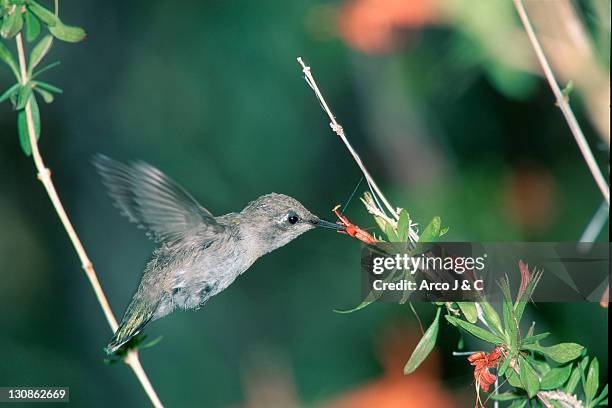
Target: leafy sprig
558 375
31 18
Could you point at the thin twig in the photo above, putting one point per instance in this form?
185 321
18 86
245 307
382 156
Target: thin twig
596 224
337 128
463 353
44 175
563 104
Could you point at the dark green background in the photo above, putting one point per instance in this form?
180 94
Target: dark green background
210 92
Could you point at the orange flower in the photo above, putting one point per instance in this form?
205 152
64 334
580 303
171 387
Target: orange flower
378 26
352 229
482 362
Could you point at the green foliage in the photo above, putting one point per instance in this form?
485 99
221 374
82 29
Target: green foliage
426 344
7 57
67 33
433 231
22 126
474 330
491 317
527 366
523 362
556 377
22 94
32 26
561 353
529 377
38 53
469 311
403 225
12 22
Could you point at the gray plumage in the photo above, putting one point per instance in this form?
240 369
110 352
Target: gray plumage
199 255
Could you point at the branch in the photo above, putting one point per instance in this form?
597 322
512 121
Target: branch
594 227
44 175
563 104
337 128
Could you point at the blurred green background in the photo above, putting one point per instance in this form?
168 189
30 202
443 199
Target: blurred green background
445 105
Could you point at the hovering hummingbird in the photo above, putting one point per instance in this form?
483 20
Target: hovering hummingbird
198 254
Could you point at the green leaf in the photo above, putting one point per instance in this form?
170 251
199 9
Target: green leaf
391 234
518 403
469 311
381 222
514 379
574 379
7 94
46 87
45 68
46 95
32 26
22 126
556 377
475 330
529 377
371 298
461 341
12 23
367 301
151 343
46 16
541 366
427 343
67 33
567 90
491 317
504 366
602 399
531 329
431 233
534 339
510 324
23 96
402 226
505 396
7 57
561 353
592 381
39 52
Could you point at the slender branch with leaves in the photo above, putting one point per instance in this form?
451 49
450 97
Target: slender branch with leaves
29 19
531 374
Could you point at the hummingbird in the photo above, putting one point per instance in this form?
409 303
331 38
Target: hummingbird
198 255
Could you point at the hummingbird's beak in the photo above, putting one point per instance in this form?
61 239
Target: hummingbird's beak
317 222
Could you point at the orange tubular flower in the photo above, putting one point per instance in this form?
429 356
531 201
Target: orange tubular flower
352 229
482 362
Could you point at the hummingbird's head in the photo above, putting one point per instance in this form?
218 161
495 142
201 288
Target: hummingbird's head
274 220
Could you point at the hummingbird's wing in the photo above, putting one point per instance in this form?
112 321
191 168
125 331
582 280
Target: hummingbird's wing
149 198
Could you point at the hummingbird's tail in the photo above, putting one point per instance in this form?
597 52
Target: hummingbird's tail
135 319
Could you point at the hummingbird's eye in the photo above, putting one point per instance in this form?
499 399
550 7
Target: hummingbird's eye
292 217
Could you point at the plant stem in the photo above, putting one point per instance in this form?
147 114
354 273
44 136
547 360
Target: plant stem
337 128
44 175
563 104
596 224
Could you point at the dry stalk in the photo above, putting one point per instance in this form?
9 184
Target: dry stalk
563 103
337 128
